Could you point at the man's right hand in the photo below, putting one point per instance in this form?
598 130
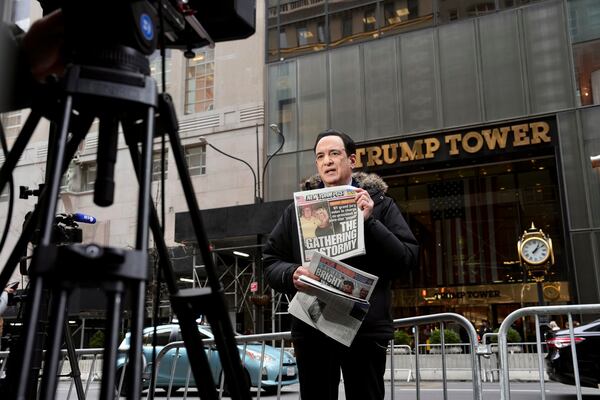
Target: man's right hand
298 284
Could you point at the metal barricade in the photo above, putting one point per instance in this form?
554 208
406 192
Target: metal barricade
243 342
415 322
568 310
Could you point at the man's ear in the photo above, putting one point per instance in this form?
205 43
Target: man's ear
352 159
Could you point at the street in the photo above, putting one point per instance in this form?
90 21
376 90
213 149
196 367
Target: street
404 391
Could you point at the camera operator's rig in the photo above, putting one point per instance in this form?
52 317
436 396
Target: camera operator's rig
65 231
108 78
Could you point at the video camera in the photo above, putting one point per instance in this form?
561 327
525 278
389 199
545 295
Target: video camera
92 28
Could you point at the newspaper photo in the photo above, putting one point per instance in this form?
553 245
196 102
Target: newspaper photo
340 298
330 222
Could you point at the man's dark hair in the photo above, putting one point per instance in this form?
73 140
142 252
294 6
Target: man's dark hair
349 144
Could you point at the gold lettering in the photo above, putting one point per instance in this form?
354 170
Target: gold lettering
520 132
390 153
539 132
478 142
431 146
360 152
494 137
414 153
373 156
453 140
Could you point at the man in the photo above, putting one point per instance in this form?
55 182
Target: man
391 250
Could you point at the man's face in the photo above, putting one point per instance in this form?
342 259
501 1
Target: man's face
333 164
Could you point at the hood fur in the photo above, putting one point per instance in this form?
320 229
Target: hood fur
369 182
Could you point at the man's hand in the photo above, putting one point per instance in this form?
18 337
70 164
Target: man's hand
43 45
364 201
9 290
301 286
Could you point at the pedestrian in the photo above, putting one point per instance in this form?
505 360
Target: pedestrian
391 250
10 289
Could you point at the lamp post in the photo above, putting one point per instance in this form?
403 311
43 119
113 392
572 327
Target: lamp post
258 188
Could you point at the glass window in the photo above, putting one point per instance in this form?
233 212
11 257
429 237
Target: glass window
352 25
11 122
302 37
587 69
88 176
418 82
501 66
156 68
347 96
468 220
458 74
282 105
450 10
584 20
400 15
545 43
162 338
195 157
199 82
273 44
312 104
157 165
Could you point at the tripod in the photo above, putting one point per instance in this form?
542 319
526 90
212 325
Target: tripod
115 96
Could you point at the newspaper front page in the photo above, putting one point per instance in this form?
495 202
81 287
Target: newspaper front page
330 222
340 301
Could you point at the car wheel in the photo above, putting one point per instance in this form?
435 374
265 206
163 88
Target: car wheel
226 391
270 391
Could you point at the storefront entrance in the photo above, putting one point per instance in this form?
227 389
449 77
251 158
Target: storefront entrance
468 221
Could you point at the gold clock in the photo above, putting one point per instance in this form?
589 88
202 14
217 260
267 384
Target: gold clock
535 251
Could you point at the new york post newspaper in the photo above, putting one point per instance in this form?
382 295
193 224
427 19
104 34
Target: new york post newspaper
330 222
340 301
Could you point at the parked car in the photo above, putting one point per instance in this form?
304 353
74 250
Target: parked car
250 360
559 361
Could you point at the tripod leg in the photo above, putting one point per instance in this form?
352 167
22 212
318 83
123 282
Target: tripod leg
57 323
142 234
113 319
73 361
39 268
217 312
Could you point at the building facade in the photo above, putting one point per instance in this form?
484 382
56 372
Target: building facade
481 115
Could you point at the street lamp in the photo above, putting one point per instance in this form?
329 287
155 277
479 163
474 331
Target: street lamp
258 188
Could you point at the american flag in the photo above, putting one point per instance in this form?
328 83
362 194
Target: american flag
463 221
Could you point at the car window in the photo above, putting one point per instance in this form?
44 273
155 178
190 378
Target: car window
162 338
178 337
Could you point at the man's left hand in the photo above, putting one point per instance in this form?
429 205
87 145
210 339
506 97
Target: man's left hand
364 201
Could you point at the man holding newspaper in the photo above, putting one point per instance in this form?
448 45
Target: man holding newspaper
381 250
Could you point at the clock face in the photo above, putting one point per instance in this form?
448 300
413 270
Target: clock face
535 251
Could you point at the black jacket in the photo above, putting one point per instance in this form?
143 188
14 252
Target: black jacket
391 250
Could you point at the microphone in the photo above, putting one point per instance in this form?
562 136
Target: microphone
81 217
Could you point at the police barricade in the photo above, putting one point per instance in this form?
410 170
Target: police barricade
441 319
89 363
504 351
257 358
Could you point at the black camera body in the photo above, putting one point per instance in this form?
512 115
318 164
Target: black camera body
91 27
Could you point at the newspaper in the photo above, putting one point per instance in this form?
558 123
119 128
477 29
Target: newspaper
340 301
330 222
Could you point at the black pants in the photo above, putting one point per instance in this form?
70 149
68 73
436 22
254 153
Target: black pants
320 360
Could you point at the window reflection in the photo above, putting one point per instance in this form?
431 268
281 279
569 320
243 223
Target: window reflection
399 15
353 25
587 67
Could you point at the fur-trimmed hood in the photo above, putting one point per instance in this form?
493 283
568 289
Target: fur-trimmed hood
369 182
